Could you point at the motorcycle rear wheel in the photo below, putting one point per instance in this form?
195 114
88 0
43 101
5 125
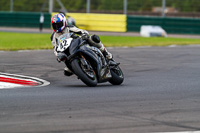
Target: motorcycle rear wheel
85 78
117 76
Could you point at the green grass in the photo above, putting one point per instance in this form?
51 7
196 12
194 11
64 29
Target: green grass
24 41
142 41
29 41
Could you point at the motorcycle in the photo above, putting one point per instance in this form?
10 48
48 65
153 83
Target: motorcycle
87 62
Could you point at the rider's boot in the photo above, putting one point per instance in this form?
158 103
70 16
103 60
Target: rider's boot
105 52
108 56
67 71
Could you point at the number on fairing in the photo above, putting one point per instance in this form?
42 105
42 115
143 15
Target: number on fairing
64 44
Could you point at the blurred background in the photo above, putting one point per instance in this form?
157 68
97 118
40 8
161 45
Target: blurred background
175 16
181 8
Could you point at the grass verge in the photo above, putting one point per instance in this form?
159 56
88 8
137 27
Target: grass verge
30 41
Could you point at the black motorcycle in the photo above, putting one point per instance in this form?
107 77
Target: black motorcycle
87 62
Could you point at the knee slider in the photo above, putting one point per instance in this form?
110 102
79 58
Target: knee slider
95 38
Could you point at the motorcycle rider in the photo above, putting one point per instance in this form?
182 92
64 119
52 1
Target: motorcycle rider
60 26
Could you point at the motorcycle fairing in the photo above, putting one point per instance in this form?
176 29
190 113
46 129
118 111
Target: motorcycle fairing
94 54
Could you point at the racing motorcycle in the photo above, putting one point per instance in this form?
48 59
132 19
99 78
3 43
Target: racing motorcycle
87 62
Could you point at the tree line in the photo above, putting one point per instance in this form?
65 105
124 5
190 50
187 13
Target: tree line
100 5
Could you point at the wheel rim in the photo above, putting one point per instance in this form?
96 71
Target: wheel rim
88 70
117 71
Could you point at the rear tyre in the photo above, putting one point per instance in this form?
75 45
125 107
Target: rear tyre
117 76
87 76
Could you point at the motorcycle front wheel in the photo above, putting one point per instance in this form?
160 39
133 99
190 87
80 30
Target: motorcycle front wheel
86 74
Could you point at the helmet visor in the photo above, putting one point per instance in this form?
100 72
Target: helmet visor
57 26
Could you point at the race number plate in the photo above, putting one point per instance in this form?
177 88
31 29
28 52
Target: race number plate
63 45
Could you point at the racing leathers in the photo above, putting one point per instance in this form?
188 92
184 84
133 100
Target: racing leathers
93 40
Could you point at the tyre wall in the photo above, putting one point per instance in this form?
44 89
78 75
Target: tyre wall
23 19
104 22
100 22
170 24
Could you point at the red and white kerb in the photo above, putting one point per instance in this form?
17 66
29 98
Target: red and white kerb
12 81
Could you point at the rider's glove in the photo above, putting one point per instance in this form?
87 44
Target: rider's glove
61 57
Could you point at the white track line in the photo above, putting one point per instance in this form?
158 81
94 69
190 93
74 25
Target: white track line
180 132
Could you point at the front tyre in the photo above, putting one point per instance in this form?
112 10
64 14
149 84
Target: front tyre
117 76
86 75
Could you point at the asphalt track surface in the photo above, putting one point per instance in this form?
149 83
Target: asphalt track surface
160 94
